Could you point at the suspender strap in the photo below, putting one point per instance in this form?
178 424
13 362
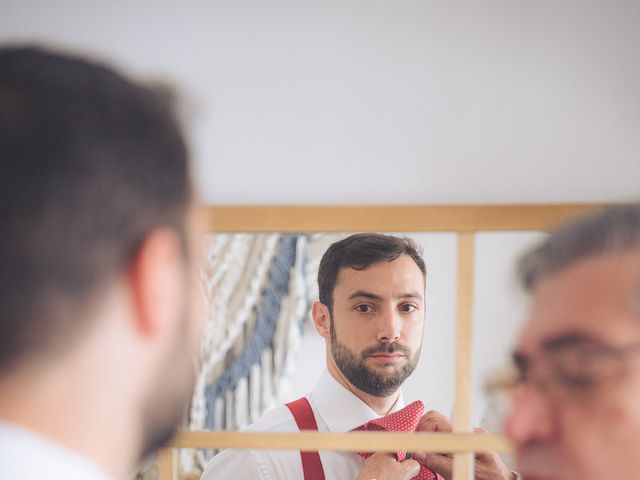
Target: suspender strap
303 415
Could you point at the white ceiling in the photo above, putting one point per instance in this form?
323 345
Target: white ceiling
382 101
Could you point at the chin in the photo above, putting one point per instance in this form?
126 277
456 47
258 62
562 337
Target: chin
540 463
546 469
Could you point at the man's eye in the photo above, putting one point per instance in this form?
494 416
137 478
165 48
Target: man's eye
407 307
364 308
578 378
578 383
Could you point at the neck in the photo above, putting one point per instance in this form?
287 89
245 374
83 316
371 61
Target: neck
380 405
63 405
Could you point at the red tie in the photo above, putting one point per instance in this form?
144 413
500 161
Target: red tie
404 420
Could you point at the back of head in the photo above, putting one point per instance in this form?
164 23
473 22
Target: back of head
360 251
90 162
613 230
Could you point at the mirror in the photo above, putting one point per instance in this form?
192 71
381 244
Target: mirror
261 350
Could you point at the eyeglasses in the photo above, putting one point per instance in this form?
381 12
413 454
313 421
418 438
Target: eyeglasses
566 370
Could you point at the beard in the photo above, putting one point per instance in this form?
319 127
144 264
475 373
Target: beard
167 403
355 370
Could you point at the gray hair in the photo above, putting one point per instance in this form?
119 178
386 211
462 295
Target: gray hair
613 230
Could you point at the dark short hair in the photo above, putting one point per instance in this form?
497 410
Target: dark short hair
360 251
90 163
612 230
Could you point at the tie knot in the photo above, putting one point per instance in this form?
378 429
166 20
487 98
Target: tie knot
404 420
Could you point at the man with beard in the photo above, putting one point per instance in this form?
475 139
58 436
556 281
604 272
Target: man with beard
98 287
576 382
371 314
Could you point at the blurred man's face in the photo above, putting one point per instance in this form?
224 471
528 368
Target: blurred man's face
576 414
377 321
167 402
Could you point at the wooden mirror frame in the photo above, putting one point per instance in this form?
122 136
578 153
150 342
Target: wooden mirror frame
465 221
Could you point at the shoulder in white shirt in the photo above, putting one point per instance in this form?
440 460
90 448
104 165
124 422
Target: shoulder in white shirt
29 456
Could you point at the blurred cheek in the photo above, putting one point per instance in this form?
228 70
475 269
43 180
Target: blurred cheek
197 297
602 437
196 309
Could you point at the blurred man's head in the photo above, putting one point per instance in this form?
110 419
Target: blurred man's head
97 243
371 309
576 413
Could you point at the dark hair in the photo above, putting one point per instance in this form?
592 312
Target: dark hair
360 251
90 163
612 230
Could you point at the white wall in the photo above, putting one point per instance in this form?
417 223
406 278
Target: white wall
371 101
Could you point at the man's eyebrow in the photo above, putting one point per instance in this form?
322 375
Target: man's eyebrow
568 340
375 296
365 294
414 294
556 344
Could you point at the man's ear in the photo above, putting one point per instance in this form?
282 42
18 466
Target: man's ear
321 319
156 280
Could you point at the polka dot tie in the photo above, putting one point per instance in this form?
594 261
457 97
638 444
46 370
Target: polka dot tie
404 420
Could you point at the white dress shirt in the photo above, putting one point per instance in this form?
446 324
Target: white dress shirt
336 410
25 455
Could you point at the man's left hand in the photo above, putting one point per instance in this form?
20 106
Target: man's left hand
488 466
384 466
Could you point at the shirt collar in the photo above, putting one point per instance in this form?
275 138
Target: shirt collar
340 409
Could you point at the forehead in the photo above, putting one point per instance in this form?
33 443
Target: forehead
397 277
598 298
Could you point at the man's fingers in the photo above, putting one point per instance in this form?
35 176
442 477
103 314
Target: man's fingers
442 464
384 466
433 421
411 468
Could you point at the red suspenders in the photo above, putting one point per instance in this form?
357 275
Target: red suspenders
303 415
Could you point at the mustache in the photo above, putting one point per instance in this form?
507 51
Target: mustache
386 348
539 460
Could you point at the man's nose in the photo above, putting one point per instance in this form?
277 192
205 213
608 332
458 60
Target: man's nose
531 418
389 326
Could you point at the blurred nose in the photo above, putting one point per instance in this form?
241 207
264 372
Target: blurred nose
531 418
389 326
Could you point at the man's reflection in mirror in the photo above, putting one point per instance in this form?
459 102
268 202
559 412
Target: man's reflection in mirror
371 313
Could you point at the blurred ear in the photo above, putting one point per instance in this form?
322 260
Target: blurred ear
321 319
156 280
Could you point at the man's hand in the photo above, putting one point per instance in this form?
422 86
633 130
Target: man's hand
384 466
488 466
